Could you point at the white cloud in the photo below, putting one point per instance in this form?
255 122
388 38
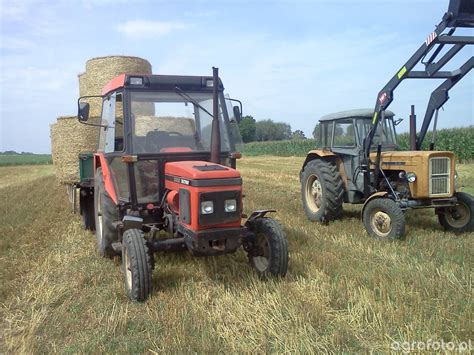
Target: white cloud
149 29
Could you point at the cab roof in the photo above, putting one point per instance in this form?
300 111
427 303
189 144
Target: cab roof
360 113
161 82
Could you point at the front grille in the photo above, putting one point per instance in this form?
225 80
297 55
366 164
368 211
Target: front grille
440 170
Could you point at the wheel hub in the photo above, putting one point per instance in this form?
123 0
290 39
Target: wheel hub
382 223
314 193
458 216
261 256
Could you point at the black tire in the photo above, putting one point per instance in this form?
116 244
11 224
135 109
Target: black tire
87 210
136 265
384 219
460 218
322 191
267 249
105 214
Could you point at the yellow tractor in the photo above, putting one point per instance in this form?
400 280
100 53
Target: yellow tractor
357 160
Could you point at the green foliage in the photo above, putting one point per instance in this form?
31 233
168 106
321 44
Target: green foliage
457 140
298 134
294 147
248 129
25 159
268 130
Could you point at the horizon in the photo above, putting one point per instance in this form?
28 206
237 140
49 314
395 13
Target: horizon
291 62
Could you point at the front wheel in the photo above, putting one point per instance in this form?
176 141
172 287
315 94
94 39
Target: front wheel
267 247
459 218
384 219
136 265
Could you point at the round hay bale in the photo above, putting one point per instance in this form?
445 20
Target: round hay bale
82 84
68 139
182 125
100 70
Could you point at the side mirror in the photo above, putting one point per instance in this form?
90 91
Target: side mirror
397 122
237 114
83 112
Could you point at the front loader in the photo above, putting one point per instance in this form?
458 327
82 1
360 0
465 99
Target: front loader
358 160
164 178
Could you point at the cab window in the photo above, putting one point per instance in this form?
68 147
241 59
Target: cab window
344 134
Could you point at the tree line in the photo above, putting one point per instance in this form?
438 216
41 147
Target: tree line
267 130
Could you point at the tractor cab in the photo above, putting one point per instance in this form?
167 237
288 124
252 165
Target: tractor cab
345 132
148 120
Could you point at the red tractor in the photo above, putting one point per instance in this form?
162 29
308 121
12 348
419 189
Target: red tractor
166 161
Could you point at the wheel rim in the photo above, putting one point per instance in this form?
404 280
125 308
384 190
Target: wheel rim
128 270
99 218
458 216
313 193
262 261
381 223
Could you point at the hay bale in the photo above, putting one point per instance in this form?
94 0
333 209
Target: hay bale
182 125
100 70
82 84
68 139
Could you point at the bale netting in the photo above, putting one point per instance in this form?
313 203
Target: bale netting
181 125
69 138
82 84
100 70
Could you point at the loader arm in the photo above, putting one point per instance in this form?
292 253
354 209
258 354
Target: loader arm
460 14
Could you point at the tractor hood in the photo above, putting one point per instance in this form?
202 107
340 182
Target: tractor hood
185 172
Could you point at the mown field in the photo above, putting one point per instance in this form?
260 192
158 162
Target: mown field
344 291
25 159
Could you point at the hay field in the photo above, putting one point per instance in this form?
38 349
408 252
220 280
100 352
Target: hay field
344 291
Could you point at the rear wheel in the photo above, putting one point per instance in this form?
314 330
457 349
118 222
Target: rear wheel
458 218
267 248
384 219
105 214
136 265
322 191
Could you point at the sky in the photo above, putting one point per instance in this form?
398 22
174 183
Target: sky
291 61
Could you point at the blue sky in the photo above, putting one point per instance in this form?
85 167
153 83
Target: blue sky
291 61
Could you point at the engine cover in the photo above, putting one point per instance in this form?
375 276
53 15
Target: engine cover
201 183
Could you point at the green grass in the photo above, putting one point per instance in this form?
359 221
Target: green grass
344 291
25 159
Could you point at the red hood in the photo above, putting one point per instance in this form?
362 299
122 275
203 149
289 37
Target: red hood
197 170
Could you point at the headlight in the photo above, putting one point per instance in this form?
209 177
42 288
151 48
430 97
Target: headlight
207 207
230 205
411 177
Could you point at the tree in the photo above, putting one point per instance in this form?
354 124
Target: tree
298 134
248 129
316 131
267 130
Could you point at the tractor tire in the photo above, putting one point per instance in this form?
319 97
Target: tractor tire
267 249
459 218
136 265
384 219
105 214
322 191
87 212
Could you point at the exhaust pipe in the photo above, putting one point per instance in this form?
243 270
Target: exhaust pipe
216 132
413 129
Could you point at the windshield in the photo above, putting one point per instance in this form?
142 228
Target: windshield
176 122
385 134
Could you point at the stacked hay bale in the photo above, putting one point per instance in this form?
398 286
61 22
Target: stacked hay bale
181 125
69 138
100 70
